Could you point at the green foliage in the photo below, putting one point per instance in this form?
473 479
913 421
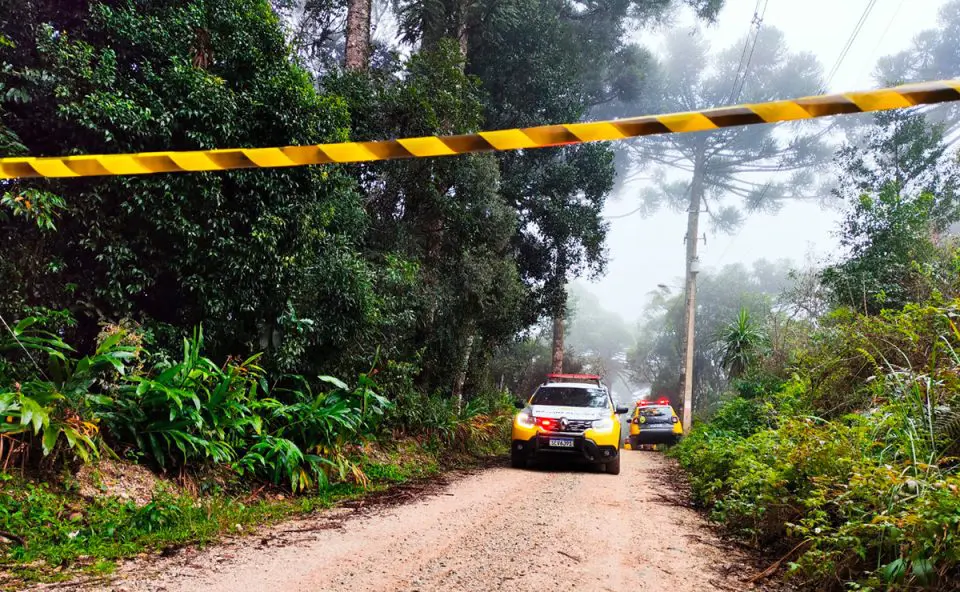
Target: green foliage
656 356
282 461
267 260
65 532
904 150
34 204
60 401
741 342
848 361
900 179
851 466
186 411
183 414
482 423
453 274
892 258
435 261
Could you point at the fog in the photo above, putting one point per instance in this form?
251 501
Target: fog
647 251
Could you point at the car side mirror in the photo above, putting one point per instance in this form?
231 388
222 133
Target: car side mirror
622 410
519 404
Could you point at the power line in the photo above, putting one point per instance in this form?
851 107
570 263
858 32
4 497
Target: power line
617 216
758 20
853 37
743 54
740 78
886 30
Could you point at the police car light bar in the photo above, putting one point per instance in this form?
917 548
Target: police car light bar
579 376
660 401
575 377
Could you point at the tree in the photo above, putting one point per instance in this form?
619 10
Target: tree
655 358
537 61
901 149
900 181
933 55
264 259
890 252
317 31
559 192
601 337
745 162
357 53
520 365
445 217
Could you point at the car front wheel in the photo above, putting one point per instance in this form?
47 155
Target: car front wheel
613 467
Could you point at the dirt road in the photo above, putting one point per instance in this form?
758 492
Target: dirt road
546 529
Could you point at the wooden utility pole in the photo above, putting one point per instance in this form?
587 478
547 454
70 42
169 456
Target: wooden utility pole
693 267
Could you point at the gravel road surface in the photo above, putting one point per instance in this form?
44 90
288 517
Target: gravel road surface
497 529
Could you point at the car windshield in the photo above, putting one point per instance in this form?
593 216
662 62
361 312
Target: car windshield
571 396
655 411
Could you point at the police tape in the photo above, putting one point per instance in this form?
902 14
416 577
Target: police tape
500 140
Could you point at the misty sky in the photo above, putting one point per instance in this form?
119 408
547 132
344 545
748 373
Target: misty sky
645 252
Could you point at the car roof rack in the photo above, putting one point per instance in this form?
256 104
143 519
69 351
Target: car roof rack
574 378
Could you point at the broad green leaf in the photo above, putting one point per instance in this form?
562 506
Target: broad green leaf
109 342
922 570
334 381
893 571
50 436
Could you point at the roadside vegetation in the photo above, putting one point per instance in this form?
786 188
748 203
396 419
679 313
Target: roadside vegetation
307 333
836 443
236 448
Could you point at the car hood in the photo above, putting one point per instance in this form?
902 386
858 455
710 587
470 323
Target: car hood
557 411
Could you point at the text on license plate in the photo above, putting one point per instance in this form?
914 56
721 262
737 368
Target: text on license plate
561 442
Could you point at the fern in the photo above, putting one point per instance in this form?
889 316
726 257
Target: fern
946 426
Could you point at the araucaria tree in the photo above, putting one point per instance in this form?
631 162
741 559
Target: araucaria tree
727 172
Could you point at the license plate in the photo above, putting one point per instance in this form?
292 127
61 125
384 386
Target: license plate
561 442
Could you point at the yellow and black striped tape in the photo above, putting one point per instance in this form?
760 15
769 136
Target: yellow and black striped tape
509 139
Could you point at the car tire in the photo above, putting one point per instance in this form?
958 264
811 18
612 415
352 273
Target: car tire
518 460
613 467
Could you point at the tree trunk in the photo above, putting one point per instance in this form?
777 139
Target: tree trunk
358 35
453 24
462 372
462 37
557 366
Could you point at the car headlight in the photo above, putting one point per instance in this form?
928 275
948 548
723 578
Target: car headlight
525 420
603 425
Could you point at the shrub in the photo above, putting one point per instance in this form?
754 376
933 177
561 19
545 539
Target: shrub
186 411
317 430
180 414
54 410
435 419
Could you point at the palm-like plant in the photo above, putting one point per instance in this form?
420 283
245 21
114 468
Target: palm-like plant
741 343
59 401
